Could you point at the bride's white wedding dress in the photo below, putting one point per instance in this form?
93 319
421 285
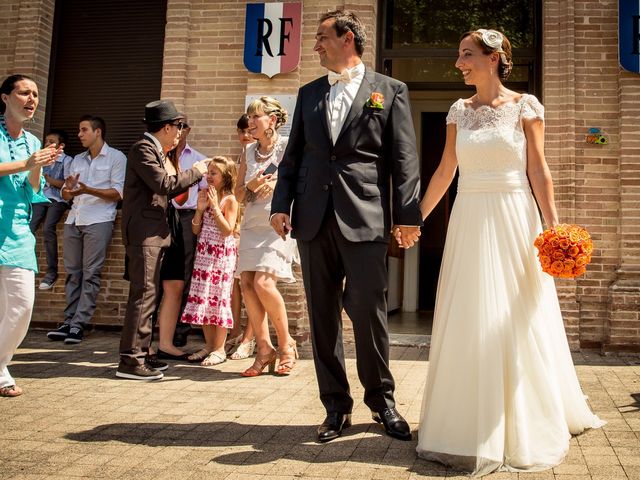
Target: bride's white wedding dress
501 391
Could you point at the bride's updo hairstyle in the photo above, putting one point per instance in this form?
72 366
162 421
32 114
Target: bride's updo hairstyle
491 41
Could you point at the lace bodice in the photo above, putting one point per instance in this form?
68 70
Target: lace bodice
491 140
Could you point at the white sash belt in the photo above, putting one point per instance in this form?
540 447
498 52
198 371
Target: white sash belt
493 182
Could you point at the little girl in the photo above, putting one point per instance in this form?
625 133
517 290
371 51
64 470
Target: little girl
209 300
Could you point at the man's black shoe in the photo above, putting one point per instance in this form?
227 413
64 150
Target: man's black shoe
152 362
59 333
394 424
333 425
75 336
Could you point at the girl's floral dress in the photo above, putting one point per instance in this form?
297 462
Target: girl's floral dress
209 300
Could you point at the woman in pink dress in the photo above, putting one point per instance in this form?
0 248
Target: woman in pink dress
209 300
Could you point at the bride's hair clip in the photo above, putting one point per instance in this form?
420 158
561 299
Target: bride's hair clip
492 39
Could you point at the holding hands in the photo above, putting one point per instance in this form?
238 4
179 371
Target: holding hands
406 235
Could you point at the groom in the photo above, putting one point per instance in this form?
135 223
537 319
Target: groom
350 167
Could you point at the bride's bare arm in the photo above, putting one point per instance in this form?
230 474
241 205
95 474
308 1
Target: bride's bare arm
538 170
443 175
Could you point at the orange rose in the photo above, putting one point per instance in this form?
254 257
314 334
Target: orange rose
377 97
557 267
558 255
545 261
573 251
581 260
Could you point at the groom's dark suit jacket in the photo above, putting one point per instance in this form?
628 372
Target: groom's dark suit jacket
370 178
374 146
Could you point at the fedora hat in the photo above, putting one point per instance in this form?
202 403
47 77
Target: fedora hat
161 111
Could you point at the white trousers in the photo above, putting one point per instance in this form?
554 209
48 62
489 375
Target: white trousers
17 294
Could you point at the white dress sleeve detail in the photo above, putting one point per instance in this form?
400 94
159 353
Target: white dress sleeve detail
532 108
452 116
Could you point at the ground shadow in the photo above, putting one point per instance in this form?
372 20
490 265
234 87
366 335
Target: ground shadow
269 443
53 364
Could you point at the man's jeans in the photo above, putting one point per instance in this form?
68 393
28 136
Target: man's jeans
50 213
85 249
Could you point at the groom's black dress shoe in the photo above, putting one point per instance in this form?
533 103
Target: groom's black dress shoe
332 426
394 424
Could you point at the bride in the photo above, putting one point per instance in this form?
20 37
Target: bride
501 391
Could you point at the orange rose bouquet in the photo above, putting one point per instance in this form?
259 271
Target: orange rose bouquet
564 250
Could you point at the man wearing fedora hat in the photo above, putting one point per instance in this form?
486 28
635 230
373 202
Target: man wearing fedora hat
146 233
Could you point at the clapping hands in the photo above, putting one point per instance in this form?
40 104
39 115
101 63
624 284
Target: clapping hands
73 186
43 157
208 198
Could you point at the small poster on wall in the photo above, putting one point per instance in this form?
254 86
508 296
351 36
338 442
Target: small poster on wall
288 102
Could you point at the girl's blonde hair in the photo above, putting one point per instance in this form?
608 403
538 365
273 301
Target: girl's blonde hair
269 106
228 170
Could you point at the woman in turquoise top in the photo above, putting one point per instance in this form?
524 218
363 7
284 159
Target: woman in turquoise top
21 182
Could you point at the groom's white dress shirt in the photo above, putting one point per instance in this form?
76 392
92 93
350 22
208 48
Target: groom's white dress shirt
344 87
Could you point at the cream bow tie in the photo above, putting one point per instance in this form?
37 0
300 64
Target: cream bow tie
343 77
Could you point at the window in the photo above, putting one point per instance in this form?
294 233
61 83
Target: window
419 39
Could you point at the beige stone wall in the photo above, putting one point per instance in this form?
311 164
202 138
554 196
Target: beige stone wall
583 86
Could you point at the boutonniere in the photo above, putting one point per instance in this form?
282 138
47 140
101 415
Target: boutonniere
376 100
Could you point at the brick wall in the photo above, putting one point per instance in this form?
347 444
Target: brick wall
596 186
25 46
205 76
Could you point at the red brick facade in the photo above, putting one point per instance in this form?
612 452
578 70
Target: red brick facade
583 86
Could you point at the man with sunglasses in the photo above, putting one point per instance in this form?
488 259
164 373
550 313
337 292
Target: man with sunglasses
94 182
146 233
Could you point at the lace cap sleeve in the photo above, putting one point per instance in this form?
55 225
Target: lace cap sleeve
532 108
452 116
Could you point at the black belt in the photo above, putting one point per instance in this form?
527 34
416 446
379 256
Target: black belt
185 211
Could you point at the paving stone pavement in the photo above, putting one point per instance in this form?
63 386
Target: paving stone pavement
76 420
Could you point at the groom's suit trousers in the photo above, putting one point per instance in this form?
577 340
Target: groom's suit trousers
327 261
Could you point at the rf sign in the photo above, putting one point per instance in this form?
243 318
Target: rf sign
272 37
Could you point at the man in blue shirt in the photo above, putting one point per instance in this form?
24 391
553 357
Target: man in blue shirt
51 213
